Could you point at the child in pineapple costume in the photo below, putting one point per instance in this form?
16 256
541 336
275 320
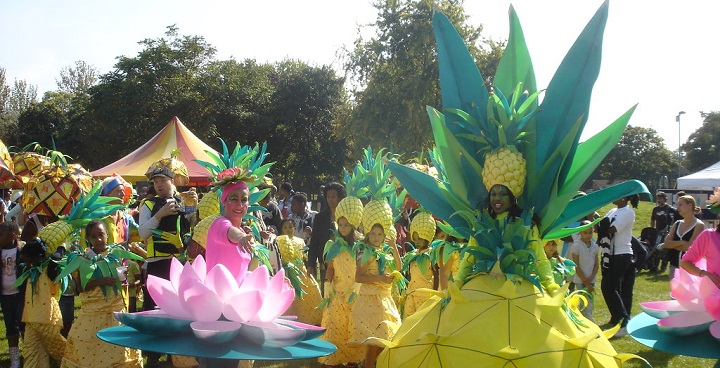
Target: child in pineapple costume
418 265
41 314
375 314
305 305
100 296
504 308
445 256
340 279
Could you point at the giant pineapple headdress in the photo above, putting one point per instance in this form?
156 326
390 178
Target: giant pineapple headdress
377 211
475 123
351 207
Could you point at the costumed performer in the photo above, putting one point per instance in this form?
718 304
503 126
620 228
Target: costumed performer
374 314
41 313
340 274
307 296
529 157
101 295
417 264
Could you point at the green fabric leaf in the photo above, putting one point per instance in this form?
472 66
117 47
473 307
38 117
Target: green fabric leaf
515 65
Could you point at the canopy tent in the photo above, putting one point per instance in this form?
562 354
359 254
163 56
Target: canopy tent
705 179
173 136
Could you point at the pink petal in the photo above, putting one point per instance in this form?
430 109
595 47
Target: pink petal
243 306
188 272
712 304
176 269
685 323
278 284
256 280
201 302
275 305
715 330
165 297
222 282
200 267
662 309
215 332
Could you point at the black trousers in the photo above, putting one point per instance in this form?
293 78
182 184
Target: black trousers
617 287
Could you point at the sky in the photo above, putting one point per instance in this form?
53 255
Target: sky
659 55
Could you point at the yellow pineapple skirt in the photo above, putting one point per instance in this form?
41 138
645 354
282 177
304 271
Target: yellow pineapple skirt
374 315
492 322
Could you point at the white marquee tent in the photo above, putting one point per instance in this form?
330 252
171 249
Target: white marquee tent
705 179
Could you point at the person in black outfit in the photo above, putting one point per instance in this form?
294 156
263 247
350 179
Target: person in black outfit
663 215
323 228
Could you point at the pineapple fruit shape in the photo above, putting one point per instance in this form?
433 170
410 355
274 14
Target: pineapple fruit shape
177 167
200 231
52 191
424 225
351 207
89 206
8 179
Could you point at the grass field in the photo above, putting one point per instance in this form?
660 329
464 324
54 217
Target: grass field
648 287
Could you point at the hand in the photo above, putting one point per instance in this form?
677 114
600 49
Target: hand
170 208
190 197
264 234
308 230
246 242
715 278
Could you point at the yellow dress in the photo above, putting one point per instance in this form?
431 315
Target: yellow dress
83 348
419 279
43 322
337 315
305 307
374 313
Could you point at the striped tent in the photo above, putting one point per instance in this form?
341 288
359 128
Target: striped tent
175 135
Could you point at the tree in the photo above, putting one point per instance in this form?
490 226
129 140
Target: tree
398 73
306 106
640 154
14 101
77 79
702 149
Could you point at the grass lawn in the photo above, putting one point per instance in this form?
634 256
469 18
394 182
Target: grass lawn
648 287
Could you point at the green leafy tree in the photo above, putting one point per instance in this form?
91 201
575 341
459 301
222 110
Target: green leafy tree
396 73
640 154
702 148
306 106
13 101
77 79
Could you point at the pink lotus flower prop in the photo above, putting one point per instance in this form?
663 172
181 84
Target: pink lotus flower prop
217 300
696 307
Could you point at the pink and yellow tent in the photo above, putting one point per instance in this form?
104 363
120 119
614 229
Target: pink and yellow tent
175 135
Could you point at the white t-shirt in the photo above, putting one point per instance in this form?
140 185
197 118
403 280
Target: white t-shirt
8 270
587 257
621 219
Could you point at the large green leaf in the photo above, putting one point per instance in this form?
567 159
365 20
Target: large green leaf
515 65
581 206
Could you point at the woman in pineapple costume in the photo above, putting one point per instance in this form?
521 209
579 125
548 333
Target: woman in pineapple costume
417 263
375 314
100 296
504 309
307 295
41 313
340 276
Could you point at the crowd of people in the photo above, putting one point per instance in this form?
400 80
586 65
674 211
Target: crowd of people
360 275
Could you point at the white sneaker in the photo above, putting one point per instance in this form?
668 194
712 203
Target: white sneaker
622 332
15 364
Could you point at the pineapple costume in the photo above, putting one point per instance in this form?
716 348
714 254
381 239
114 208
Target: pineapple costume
375 314
41 312
305 305
418 264
496 313
98 304
340 256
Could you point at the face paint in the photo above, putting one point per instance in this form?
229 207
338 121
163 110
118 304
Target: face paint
236 205
500 199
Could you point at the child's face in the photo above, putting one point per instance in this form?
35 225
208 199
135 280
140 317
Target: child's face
550 248
586 235
98 237
344 227
376 237
288 228
7 239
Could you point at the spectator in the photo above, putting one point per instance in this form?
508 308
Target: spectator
323 227
286 194
303 217
662 216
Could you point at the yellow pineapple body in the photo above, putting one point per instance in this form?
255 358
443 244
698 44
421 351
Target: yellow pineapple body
377 212
505 167
352 209
424 224
209 205
55 234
